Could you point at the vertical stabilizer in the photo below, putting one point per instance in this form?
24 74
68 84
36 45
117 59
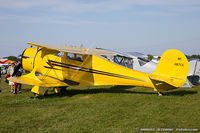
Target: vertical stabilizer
171 72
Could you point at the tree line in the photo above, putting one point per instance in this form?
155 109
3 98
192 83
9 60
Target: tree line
193 56
13 58
188 56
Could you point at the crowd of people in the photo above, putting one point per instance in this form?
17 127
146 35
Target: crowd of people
14 70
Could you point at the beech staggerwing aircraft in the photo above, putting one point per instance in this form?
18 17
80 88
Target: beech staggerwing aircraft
60 66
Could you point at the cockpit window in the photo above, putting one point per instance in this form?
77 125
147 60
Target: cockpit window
73 56
61 54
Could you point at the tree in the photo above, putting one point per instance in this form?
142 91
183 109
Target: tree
13 58
193 56
150 57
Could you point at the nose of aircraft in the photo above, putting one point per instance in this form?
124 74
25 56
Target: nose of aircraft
28 58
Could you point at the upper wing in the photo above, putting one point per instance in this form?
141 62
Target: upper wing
73 49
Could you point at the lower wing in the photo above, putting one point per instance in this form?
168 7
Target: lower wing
43 81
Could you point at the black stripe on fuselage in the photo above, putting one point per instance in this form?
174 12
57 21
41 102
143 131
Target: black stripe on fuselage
69 66
69 82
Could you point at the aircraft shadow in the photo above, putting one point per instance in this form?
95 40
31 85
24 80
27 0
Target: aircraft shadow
117 89
26 90
180 93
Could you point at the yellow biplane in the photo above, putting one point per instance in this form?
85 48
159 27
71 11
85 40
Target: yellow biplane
62 66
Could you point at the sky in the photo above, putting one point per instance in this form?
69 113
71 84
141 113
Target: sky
146 26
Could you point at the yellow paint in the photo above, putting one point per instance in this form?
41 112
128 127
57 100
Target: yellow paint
35 89
39 90
170 73
57 90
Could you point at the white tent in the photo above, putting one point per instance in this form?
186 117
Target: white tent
194 67
194 71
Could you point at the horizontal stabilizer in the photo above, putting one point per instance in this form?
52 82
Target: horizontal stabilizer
163 83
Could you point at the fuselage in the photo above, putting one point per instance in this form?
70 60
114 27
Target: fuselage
82 70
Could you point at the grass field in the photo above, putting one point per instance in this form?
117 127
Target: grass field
105 109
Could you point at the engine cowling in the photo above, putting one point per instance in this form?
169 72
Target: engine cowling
28 58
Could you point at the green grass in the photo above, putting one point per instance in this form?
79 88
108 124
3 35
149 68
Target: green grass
106 109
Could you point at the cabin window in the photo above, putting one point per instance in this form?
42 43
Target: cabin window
109 58
60 54
73 56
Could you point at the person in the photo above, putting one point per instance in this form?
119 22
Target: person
10 72
0 77
7 76
0 73
17 72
